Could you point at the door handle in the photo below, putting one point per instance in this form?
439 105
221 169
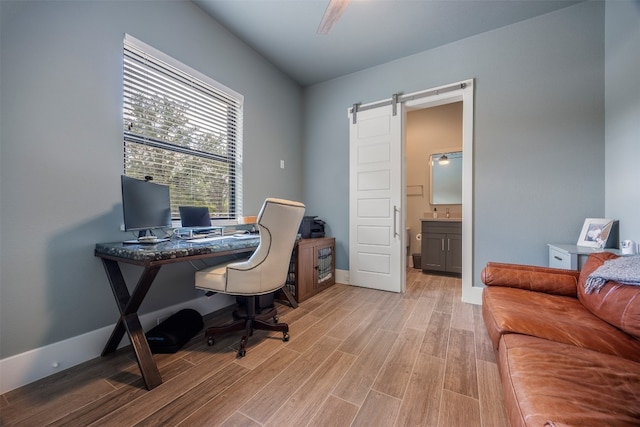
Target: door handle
395 223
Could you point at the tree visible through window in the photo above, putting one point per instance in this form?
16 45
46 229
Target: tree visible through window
183 129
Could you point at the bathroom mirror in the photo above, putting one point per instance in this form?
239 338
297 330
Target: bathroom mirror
446 178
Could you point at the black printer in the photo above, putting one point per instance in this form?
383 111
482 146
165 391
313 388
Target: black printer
311 227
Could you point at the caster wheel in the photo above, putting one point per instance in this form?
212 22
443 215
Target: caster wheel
211 341
241 353
285 336
275 319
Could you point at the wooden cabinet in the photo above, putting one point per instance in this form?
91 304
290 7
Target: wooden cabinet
313 267
442 246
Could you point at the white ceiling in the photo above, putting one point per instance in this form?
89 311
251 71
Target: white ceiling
370 32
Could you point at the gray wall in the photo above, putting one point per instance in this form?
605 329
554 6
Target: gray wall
61 153
622 103
539 131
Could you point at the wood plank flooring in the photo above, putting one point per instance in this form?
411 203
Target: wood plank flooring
356 357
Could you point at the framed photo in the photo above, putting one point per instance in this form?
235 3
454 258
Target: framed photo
595 232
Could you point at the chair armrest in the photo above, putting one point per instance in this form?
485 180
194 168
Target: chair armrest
554 281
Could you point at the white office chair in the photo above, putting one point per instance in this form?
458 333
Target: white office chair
264 272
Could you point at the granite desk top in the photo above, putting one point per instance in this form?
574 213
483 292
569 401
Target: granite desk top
175 249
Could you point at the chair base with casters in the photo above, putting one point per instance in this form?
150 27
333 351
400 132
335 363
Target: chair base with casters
249 322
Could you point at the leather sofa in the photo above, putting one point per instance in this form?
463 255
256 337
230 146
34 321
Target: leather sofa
565 357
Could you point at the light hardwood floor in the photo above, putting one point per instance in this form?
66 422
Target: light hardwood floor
357 357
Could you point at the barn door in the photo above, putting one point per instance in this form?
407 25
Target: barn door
376 199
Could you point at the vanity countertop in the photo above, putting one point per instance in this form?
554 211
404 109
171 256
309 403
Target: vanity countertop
442 219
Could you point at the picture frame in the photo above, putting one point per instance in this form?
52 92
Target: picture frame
595 232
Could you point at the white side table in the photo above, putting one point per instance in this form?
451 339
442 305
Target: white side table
572 257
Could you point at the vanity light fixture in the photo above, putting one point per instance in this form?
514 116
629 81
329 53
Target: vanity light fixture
443 160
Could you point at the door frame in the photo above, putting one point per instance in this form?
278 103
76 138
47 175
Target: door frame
434 98
462 91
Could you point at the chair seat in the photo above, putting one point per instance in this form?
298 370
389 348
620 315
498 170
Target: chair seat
213 278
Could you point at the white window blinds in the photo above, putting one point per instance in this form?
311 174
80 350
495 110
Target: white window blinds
183 129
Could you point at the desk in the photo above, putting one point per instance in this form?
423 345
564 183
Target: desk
151 257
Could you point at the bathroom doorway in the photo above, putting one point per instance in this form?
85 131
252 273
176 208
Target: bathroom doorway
464 99
428 131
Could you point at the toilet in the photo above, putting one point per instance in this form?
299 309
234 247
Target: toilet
414 259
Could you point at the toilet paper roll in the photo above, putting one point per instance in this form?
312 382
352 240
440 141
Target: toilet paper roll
419 236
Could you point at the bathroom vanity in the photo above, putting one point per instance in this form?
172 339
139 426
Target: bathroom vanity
442 245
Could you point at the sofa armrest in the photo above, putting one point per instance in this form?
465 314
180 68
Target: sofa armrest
539 279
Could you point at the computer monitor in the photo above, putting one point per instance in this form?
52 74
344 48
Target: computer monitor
195 216
145 205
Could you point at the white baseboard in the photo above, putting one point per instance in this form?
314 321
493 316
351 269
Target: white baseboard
32 365
342 276
472 294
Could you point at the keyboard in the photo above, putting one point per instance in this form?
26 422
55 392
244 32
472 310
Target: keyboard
244 236
216 238
145 242
207 239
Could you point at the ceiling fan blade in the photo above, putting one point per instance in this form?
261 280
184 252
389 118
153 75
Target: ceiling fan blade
331 15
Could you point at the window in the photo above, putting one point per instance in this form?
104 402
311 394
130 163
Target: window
183 129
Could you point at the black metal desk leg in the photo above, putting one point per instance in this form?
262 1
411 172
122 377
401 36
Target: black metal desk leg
129 321
147 365
121 294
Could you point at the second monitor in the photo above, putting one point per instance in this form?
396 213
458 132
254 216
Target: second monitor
197 220
195 216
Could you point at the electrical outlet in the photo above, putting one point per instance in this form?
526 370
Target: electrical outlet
121 227
281 164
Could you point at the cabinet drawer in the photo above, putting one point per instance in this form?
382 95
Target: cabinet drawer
449 227
561 259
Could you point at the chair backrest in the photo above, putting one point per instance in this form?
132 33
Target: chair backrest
266 270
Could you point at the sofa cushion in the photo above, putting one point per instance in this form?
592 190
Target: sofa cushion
616 303
559 384
553 317
532 278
